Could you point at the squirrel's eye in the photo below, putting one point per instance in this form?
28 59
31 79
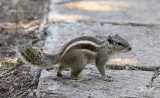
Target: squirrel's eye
119 43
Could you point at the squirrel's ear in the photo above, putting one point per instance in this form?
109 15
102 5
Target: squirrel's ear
109 39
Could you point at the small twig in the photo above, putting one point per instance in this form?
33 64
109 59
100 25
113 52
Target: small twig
16 17
131 67
155 75
31 24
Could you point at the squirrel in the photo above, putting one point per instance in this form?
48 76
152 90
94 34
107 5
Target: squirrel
76 54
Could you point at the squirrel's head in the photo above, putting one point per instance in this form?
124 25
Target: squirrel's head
118 44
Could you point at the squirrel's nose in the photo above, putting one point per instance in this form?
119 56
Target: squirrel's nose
130 48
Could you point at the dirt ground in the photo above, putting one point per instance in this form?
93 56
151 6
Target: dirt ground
15 79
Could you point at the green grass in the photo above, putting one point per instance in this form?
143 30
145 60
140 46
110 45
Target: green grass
148 89
157 26
145 95
19 9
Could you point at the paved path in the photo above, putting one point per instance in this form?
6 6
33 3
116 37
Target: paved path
137 21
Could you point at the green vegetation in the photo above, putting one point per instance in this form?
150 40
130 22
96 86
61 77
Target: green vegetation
19 9
157 26
148 89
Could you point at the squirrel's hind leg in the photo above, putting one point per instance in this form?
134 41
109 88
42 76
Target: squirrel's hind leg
77 69
75 73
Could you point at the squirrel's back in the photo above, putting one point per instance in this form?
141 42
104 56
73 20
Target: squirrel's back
83 42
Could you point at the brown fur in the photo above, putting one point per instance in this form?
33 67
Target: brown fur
76 54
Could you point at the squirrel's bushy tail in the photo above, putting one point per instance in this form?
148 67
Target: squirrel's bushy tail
34 57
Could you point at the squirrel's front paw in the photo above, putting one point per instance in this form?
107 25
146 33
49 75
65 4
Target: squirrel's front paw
107 79
109 76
